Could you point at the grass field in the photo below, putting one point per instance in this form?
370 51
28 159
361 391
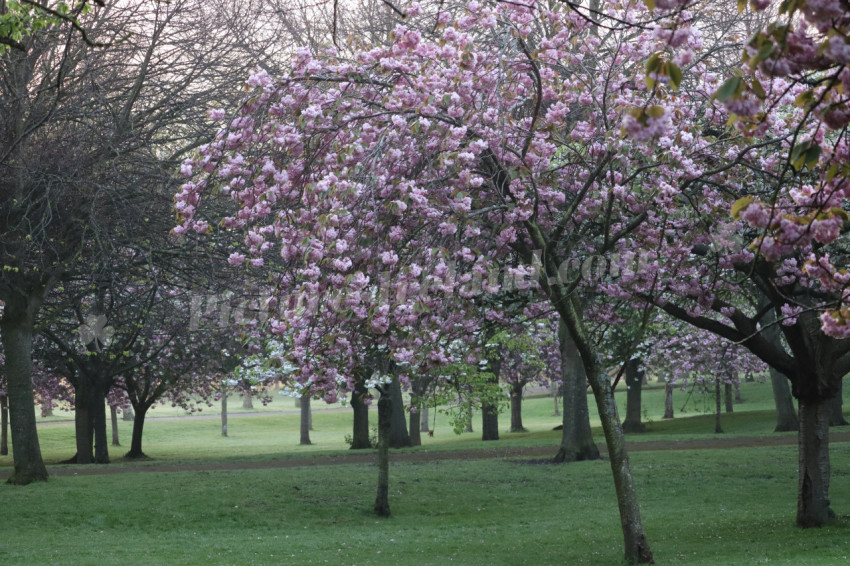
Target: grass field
714 507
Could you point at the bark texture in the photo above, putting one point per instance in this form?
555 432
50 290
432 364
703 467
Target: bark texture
813 462
576 439
516 408
305 420
382 501
634 408
16 327
360 432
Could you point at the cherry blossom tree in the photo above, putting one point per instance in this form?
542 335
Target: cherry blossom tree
425 153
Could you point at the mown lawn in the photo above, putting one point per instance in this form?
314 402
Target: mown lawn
712 507
701 507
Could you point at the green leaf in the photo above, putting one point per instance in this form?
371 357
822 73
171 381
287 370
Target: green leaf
758 89
740 205
805 98
675 74
732 86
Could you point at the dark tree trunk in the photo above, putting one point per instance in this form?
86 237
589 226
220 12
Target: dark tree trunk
360 433
489 409
836 407
634 390
399 438
786 415
636 546
247 400
4 426
717 406
138 429
101 446
113 413
415 431
16 328
738 398
729 397
305 420
668 401
382 501
576 439
224 414
489 422
83 420
516 408
813 484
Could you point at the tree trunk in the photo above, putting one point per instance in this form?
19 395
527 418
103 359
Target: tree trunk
83 420
382 501
490 410
101 446
668 401
786 415
16 327
729 397
738 398
634 390
813 485
224 414
516 408
138 429
576 439
636 546
557 394
305 420
836 407
360 433
415 431
489 422
424 426
4 426
717 397
113 413
399 438
247 400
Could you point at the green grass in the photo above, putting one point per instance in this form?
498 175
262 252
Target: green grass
707 507
273 436
700 507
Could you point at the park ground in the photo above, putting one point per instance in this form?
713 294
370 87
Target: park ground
258 498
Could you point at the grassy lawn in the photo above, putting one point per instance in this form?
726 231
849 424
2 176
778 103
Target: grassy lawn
713 507
701 507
